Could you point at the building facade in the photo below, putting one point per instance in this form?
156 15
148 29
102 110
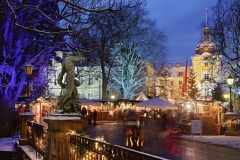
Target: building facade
206 64
88 76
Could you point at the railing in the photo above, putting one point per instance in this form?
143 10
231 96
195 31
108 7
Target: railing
86 148
82 147
37 138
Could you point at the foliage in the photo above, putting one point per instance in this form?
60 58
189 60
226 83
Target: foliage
31 31
192 89
218 93
103 31
226 31
22 44
136 47
129 74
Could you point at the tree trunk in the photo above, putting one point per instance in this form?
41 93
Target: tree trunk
7 118
104 87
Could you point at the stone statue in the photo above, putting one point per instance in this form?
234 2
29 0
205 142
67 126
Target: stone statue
67 101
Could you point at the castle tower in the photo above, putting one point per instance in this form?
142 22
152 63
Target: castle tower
206 63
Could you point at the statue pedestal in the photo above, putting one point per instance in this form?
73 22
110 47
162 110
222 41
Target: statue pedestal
58 127
232 126
25 116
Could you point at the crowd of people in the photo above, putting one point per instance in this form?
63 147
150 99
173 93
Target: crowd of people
90 116
163 117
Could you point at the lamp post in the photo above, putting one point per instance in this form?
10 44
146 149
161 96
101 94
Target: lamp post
28 71
230 81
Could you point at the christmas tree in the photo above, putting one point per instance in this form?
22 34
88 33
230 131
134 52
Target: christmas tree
192 88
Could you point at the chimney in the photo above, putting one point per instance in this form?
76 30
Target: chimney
178 64
169 65
161 66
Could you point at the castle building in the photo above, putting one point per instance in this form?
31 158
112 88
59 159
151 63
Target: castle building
205 64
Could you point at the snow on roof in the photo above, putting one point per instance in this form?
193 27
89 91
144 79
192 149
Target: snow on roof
142 97
174 71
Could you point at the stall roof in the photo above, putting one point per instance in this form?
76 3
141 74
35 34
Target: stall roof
142 97
85 101
157 103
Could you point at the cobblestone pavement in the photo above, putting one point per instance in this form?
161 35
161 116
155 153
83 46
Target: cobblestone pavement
159 143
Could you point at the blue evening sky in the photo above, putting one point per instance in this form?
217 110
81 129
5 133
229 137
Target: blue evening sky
180 20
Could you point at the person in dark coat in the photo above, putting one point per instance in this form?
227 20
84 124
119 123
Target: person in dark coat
164 117
94 117
89 117
84 111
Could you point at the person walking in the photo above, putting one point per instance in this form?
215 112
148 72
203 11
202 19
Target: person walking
94 117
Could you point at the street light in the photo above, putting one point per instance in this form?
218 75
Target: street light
113 97
28 71
230 81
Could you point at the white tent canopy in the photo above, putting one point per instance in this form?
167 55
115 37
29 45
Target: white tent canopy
142 97
157 103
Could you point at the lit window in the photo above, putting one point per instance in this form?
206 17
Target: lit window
206 76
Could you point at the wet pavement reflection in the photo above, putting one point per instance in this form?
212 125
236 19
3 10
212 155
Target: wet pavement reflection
154 141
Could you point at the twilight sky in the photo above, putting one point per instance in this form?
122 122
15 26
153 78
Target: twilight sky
180 20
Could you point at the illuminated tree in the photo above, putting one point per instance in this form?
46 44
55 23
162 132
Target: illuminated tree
141 42
31 31
18 46
128 32
192 88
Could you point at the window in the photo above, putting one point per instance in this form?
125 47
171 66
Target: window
81 79
180 74
179 93
206 76
163 82
180 82
90 95
80 95
205 63
171 83
90 79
